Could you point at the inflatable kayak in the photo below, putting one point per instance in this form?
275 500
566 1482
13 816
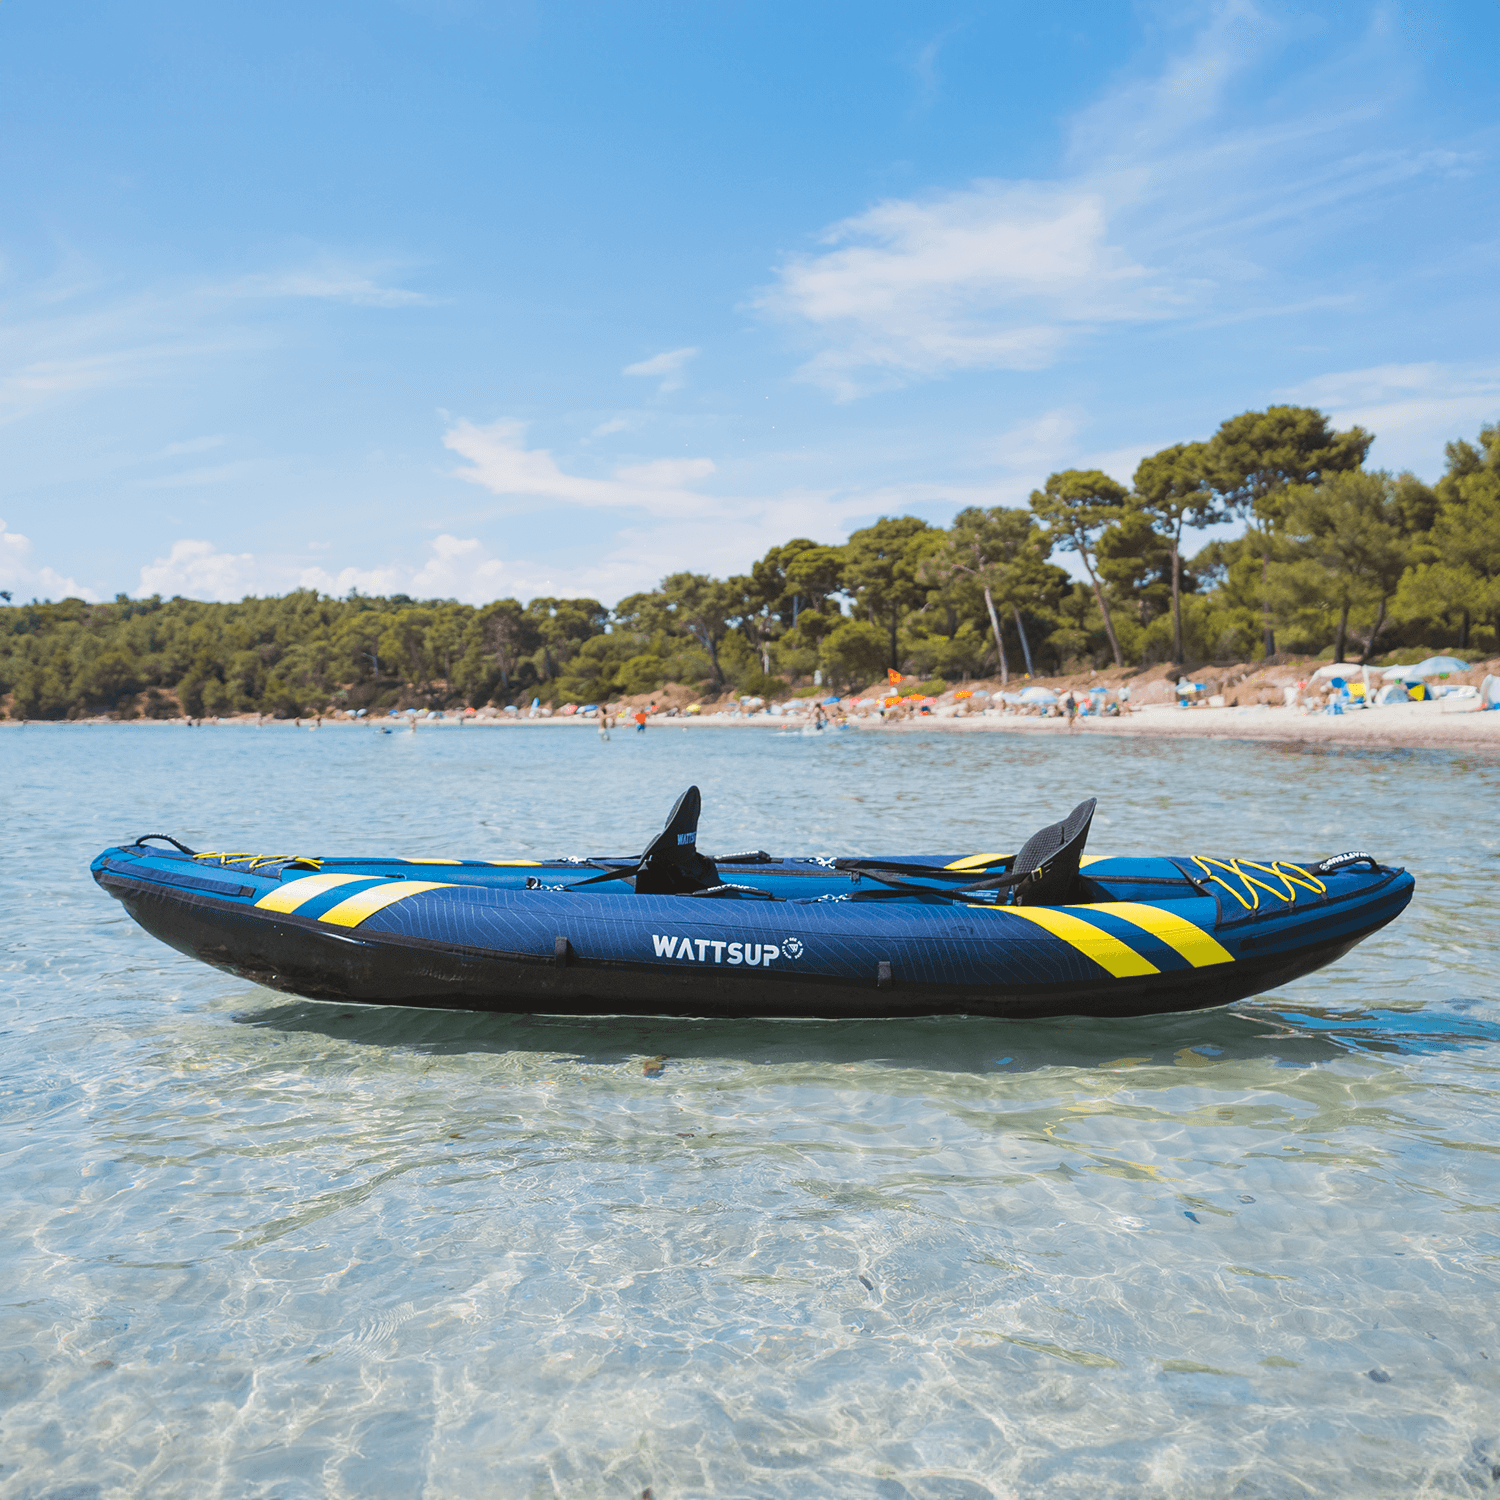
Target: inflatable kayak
1049 931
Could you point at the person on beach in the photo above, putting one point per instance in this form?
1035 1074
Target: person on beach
1070 708
640 721
604 725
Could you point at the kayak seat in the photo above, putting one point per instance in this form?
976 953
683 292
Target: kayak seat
1050 859
671 865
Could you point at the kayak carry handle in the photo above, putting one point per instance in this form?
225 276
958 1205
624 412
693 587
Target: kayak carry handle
166 838
1343 861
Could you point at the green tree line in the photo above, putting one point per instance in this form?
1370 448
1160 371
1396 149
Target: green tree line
1332 556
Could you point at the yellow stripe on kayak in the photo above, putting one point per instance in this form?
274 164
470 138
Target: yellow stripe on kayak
354 910
979 861
1107 951
528 863
976 861
295 893
1183 937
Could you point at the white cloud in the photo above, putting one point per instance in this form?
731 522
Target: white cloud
19 577
192 445
1040 443
925 70
1171 204
671 366
32 385
676 526
1413 409
988 278
665 523
64 337
198 570
1147 115
505 466
332 282
220 474
456 568
671 473
453 568
391 580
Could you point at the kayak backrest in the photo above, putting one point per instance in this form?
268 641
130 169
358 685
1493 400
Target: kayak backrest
671 865
1051 857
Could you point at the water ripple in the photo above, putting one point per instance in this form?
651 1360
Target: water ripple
264 1247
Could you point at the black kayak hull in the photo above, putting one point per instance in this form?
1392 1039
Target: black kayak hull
579 975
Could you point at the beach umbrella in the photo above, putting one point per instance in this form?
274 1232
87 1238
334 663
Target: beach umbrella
830 702
1434 666
1038 695
1338 669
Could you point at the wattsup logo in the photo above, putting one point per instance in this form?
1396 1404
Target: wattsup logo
756 955
792 947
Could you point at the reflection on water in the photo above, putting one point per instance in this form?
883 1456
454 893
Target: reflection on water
263 1247
1251 1032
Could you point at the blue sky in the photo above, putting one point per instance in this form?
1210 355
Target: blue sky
474 299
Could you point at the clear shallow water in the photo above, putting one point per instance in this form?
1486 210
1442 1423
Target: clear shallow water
256 1247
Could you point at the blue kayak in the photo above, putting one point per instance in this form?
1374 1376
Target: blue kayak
1050 931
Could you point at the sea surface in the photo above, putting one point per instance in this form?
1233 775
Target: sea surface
259 1247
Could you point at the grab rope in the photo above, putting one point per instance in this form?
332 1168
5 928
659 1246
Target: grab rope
250 861
1291 877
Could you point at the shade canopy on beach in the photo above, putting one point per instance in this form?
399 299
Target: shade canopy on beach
1038 695
1434 666
1339 669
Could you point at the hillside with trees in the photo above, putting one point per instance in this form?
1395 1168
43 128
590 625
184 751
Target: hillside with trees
1334 558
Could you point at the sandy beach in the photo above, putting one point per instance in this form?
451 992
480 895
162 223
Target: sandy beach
1408 726
1252 707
